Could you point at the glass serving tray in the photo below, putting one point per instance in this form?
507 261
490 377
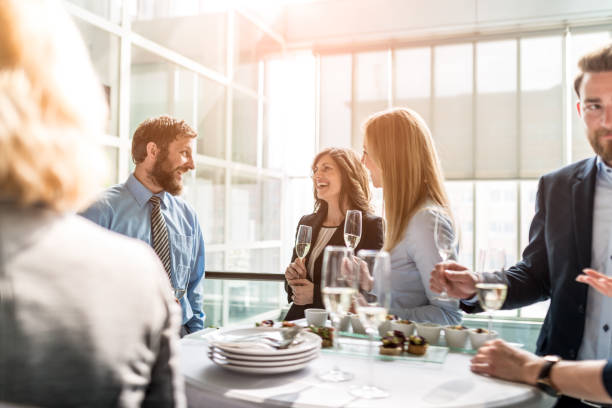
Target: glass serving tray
351 344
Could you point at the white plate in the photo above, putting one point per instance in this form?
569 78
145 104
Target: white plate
222 339
246 357
264 370
220 358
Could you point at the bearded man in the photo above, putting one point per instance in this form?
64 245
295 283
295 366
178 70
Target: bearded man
148 207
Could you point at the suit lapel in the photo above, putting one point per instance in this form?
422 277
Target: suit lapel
583 194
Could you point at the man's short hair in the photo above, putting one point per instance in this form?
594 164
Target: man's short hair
161 130
599 60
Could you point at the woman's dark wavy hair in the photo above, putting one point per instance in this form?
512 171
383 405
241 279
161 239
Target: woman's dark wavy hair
355 189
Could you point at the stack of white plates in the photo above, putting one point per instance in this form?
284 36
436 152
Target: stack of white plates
240 350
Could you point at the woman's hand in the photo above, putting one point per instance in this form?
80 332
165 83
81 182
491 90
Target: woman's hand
296 270
598 281
303 291
366 282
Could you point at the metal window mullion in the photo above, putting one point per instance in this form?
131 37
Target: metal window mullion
125 63
354 69
432 90
567 97
519 133
474 152
390 78
317 102
228 141
260 115
474 107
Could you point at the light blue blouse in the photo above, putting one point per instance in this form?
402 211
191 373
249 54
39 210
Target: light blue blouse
412 261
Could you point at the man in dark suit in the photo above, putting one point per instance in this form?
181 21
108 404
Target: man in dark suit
571 230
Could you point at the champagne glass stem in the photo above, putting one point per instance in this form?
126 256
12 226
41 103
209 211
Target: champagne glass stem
370 356
490 324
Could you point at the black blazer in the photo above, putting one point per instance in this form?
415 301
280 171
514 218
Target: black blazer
372 237
559 248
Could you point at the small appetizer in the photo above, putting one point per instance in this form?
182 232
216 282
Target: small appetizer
417 345
265 323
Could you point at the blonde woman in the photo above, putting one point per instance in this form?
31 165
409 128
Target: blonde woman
400 155
87 318
340 183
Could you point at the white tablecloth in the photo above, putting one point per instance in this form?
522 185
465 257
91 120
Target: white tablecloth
411 384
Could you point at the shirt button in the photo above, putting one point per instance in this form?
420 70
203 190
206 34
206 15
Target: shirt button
580 308
606 327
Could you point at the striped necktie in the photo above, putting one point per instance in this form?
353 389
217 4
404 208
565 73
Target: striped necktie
159 234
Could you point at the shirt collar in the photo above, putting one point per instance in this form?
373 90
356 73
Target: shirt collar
141 193
603 170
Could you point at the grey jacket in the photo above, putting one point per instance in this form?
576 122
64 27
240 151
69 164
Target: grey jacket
86 316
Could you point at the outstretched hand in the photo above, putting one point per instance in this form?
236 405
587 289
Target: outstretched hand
596 280
457 280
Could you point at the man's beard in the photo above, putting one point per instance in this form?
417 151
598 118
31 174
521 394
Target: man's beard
602 148
165 176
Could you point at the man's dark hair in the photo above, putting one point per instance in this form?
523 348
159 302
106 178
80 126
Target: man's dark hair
599 60
161 130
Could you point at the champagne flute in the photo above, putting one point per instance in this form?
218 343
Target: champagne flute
447 242
372 307
352 228
302 241
491 296
339 283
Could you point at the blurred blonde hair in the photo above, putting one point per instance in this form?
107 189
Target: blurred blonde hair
355 188
51 109
400 143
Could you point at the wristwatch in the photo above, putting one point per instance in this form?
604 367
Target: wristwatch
543 381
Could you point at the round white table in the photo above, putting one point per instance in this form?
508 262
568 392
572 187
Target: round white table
411 384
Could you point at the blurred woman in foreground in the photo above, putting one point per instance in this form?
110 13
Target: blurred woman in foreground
400 154
86 315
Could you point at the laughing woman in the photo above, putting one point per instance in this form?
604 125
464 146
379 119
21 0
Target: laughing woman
340 183
400 154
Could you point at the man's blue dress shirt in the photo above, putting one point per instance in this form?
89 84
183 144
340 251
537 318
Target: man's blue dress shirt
125 208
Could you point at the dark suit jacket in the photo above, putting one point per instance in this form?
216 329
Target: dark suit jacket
559 248
372 237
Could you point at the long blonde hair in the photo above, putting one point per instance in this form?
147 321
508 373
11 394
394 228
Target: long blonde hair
355 189
51 109
400 144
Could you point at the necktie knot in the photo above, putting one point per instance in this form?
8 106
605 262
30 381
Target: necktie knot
155 200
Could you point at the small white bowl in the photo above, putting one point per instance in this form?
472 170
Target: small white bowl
456 338
431 332
345 322
478 339
357 325
384 327
406 328
316 317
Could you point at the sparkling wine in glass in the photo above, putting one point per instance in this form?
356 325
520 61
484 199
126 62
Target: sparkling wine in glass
447 242
373 302
491 295
339 283
302 241
352 228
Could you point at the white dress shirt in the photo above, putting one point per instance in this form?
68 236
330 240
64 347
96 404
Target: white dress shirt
597 338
